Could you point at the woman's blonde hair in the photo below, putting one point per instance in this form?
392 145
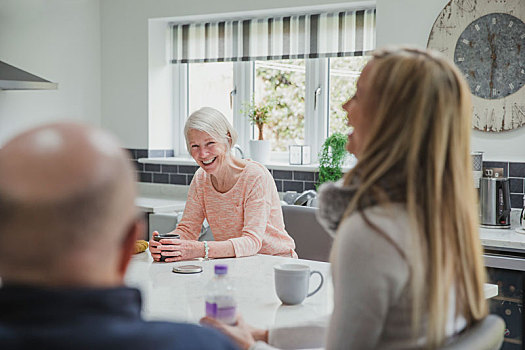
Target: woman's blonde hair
212 122
418 148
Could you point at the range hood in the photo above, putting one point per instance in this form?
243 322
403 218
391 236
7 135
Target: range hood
12 78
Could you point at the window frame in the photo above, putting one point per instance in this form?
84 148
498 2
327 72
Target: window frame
316 119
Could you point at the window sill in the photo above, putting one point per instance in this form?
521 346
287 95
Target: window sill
274 165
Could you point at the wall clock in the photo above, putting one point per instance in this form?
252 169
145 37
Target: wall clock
486 40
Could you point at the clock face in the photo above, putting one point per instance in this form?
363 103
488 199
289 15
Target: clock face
486 41
491 54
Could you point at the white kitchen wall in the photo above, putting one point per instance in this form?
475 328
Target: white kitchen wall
58 40
410 22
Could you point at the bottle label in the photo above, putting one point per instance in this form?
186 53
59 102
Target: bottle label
223 313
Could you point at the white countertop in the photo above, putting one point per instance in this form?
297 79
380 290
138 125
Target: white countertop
502 238
180 297
157 198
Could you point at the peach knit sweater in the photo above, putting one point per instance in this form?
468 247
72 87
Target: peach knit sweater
249 214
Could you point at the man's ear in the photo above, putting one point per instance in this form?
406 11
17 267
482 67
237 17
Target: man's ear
229 139
135 230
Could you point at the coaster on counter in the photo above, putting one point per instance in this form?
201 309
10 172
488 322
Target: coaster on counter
520 230
187 269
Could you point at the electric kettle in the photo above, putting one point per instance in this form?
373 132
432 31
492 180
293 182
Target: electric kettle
494 199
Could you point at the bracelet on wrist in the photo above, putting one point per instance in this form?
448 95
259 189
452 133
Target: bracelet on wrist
206 250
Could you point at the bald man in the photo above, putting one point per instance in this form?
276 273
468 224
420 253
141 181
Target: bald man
68 225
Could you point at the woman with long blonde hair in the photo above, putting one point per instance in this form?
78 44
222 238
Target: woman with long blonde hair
407 260
412 190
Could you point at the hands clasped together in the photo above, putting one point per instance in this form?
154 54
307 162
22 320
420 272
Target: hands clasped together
175 249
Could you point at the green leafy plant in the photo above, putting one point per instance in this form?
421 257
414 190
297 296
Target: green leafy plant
259 115
331 158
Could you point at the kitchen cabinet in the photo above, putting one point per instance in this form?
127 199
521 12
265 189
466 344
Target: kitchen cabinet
506 268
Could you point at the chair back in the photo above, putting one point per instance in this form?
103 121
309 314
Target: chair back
312 242
487 334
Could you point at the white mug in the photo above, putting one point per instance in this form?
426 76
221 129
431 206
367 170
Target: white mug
292 282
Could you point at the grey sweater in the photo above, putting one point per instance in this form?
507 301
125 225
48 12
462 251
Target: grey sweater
371 275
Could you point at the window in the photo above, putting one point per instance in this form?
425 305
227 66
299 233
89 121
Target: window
281 83
344 72
304 65
209 84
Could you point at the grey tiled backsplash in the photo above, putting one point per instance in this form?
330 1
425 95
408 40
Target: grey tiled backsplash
183 174
288 180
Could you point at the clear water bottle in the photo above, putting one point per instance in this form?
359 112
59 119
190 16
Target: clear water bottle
220 298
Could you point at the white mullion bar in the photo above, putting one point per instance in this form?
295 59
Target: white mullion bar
316 119
243 83
180 107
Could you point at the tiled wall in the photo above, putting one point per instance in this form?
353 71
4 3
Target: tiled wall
298 181
292 180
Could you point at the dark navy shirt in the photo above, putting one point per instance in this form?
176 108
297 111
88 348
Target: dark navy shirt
38 318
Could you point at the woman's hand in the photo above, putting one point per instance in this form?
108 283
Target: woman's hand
181 249
241 333
154 247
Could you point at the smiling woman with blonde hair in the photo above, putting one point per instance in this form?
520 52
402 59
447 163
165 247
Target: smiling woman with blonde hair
411 190
406 262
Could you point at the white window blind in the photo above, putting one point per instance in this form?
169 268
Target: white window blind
334 34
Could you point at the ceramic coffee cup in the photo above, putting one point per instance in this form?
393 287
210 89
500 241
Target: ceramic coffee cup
292 282
162 236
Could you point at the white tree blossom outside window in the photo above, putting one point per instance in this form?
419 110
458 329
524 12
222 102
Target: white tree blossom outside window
344 72
281 83
209 86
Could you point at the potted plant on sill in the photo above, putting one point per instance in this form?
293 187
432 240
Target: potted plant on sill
259 115
331 158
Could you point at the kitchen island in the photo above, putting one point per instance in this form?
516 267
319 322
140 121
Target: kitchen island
180 297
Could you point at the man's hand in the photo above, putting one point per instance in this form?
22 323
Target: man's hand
241 333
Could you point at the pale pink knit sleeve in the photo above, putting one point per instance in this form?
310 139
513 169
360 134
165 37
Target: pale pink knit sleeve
257 207
190 225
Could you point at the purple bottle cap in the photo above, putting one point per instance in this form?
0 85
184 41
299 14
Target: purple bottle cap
221 269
